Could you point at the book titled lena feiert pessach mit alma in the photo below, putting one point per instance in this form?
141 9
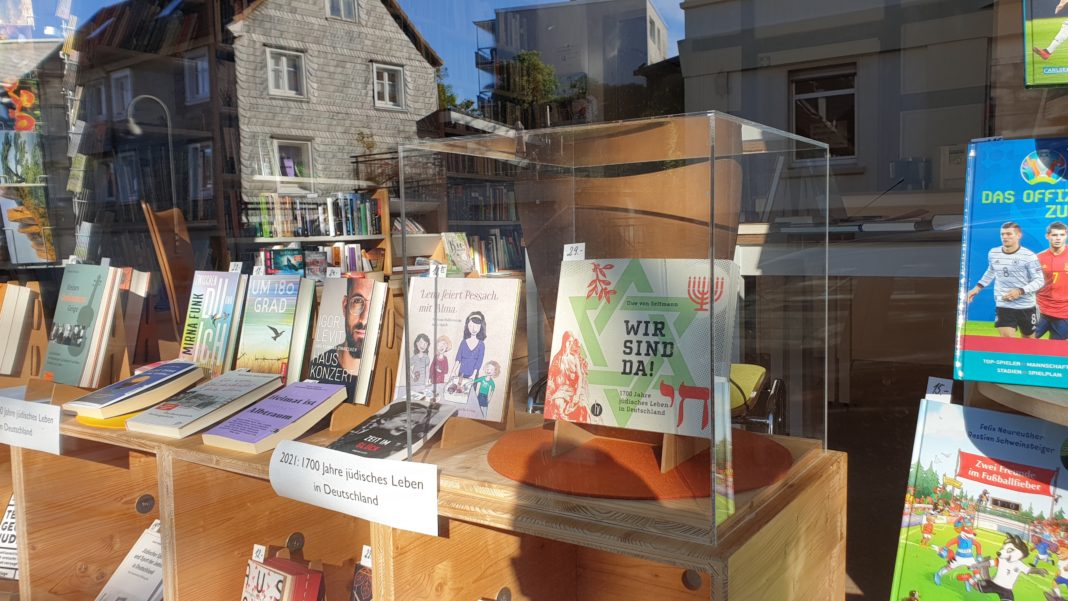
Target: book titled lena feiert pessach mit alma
1012 311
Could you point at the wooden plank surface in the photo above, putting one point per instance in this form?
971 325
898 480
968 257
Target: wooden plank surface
77 515
474 562
218 515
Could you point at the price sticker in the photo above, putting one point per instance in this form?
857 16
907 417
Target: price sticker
236 266
575 252
259 552
365 557
333 272
257 270
437 270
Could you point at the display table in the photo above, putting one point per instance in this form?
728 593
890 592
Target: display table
81 511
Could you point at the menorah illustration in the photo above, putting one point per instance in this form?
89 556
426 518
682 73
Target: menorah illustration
699 293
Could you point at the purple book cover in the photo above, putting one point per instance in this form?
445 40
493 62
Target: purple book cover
275 412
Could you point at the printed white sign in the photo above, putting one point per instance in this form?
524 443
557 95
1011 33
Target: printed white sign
29 425
399 494
939 389
575 252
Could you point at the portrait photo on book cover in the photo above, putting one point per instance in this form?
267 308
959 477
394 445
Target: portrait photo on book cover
1013 303
339 344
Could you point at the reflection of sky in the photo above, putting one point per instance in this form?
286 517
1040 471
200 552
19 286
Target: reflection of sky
943 438
446 24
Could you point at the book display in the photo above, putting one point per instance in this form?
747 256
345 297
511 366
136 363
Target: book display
575 411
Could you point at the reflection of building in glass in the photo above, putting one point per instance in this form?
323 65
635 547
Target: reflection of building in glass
594 48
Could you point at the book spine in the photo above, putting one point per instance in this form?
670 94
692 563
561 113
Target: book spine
965 246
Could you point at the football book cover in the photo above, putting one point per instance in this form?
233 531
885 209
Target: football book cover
1012 306
1045 29
632 343
984 511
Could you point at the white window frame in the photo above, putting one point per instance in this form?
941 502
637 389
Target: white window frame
197 75
398 70
285 92
201 180
120 102
802 75
295 183
341 3
96 93
127 178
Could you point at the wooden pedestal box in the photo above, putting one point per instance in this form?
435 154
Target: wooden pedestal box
78 514
786 542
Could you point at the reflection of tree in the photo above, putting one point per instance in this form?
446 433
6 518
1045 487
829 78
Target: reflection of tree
447 94
22 163
530 82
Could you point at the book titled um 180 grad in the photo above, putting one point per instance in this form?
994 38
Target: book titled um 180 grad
215 305
138 391
284 415
211 402
1012 311
274 329
984 507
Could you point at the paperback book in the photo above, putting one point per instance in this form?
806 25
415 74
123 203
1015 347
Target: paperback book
284 415
984 507
216 303
16 319
286 261
347 333
1012 306
209 403
138 391
384 435
140 575
632 343
83 318
458 349
9 547
274 328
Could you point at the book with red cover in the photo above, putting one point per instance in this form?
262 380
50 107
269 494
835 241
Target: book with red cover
306 581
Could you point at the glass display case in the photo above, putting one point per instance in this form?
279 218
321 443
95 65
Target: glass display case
619 339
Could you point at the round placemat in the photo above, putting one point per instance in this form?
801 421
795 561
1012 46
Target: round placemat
612 468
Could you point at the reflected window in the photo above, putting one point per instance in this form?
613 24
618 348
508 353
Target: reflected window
294 158
200 170
389 86
96 107
129 178
105 180
121 93
286 72
342 9
824 108
197 77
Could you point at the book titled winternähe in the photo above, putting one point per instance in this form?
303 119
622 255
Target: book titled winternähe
984 507
632 343
284 415
215 305
1012 308
138 391
211 402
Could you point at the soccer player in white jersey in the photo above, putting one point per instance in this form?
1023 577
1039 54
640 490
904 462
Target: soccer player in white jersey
1058 39
1017 276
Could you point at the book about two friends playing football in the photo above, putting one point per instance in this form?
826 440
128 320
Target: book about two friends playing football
1012 306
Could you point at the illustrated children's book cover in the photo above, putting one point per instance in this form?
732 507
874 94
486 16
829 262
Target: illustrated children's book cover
215 304
984 509
1012 307
632 343
458 349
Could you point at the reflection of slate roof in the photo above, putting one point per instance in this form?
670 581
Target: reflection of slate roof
22 56
398 15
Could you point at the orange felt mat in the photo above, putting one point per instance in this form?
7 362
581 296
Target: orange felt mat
611 468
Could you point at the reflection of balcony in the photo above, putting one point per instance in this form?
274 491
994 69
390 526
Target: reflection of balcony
485 58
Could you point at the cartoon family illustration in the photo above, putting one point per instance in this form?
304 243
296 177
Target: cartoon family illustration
469 379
